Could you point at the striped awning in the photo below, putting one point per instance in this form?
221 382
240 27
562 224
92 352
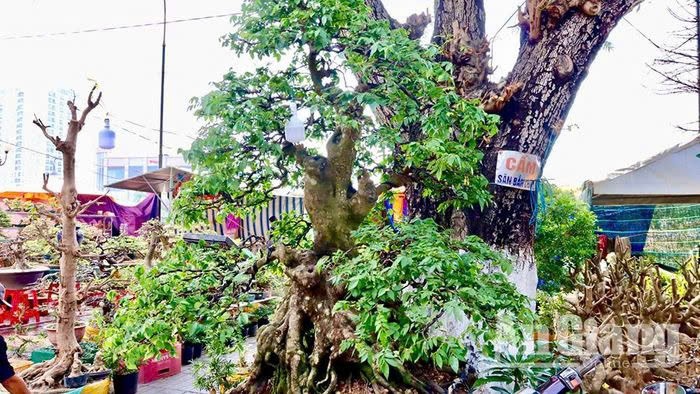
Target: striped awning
258 223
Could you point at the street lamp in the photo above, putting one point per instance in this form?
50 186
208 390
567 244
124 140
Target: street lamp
4 160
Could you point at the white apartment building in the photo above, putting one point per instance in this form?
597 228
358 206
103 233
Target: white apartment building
30 153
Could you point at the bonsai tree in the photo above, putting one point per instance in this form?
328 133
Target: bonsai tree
45 375
4 219
634 309
365 301
186 298
133 337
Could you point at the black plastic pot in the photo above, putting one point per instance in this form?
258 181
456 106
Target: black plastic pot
197 350
187 353
252 329
126 384
257 295
98 375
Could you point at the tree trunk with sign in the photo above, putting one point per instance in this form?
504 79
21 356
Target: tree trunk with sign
559 41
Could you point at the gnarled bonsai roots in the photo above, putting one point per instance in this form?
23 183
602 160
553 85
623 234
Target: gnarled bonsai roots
48 374
299 351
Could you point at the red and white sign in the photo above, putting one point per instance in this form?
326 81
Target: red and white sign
518 170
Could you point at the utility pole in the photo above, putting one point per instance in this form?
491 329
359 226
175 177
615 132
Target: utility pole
697 39
162 91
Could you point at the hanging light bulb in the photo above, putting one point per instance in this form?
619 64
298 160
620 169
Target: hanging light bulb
107 136
294 130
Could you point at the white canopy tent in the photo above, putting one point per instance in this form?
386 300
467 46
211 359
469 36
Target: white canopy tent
670 177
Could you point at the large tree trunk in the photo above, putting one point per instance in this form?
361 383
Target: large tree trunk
48 374
533 103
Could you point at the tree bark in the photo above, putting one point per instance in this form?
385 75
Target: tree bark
532 120
46 375
533 102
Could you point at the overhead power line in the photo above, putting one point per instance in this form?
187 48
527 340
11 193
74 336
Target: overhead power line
30 149
112 28
50 156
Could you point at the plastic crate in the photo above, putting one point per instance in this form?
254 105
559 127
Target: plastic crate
166 367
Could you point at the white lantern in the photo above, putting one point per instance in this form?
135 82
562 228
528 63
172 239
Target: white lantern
294 130
106 137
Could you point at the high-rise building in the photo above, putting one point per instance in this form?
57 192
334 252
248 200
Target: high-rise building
30 153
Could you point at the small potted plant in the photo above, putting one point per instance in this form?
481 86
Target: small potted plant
263 313
124 359
76 378
193 341
127 341
126 379
218 375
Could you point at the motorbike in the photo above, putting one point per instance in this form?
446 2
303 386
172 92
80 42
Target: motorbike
570 380
669 388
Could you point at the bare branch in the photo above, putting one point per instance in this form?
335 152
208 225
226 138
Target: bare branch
415 24
56 141
91 105
46 186
365 198
47 237
73 109
84 207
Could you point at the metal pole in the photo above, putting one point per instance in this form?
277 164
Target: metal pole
162 92
697 38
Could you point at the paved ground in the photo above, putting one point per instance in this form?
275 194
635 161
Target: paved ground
183 383
178 384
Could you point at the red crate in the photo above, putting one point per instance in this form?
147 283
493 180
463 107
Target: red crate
166 367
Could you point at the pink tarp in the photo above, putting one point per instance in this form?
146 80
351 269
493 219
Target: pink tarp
132 217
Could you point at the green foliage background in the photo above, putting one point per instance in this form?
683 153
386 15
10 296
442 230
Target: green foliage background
565 238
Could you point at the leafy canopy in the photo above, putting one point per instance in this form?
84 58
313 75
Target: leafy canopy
565 238
340 66
187 297
402 283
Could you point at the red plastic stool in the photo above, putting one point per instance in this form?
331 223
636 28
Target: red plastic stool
23 308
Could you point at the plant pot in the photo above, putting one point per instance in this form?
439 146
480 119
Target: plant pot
257 295
42 354
187 353
16 279
79 333
250 330
75 381
98 375
197 350
126 384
